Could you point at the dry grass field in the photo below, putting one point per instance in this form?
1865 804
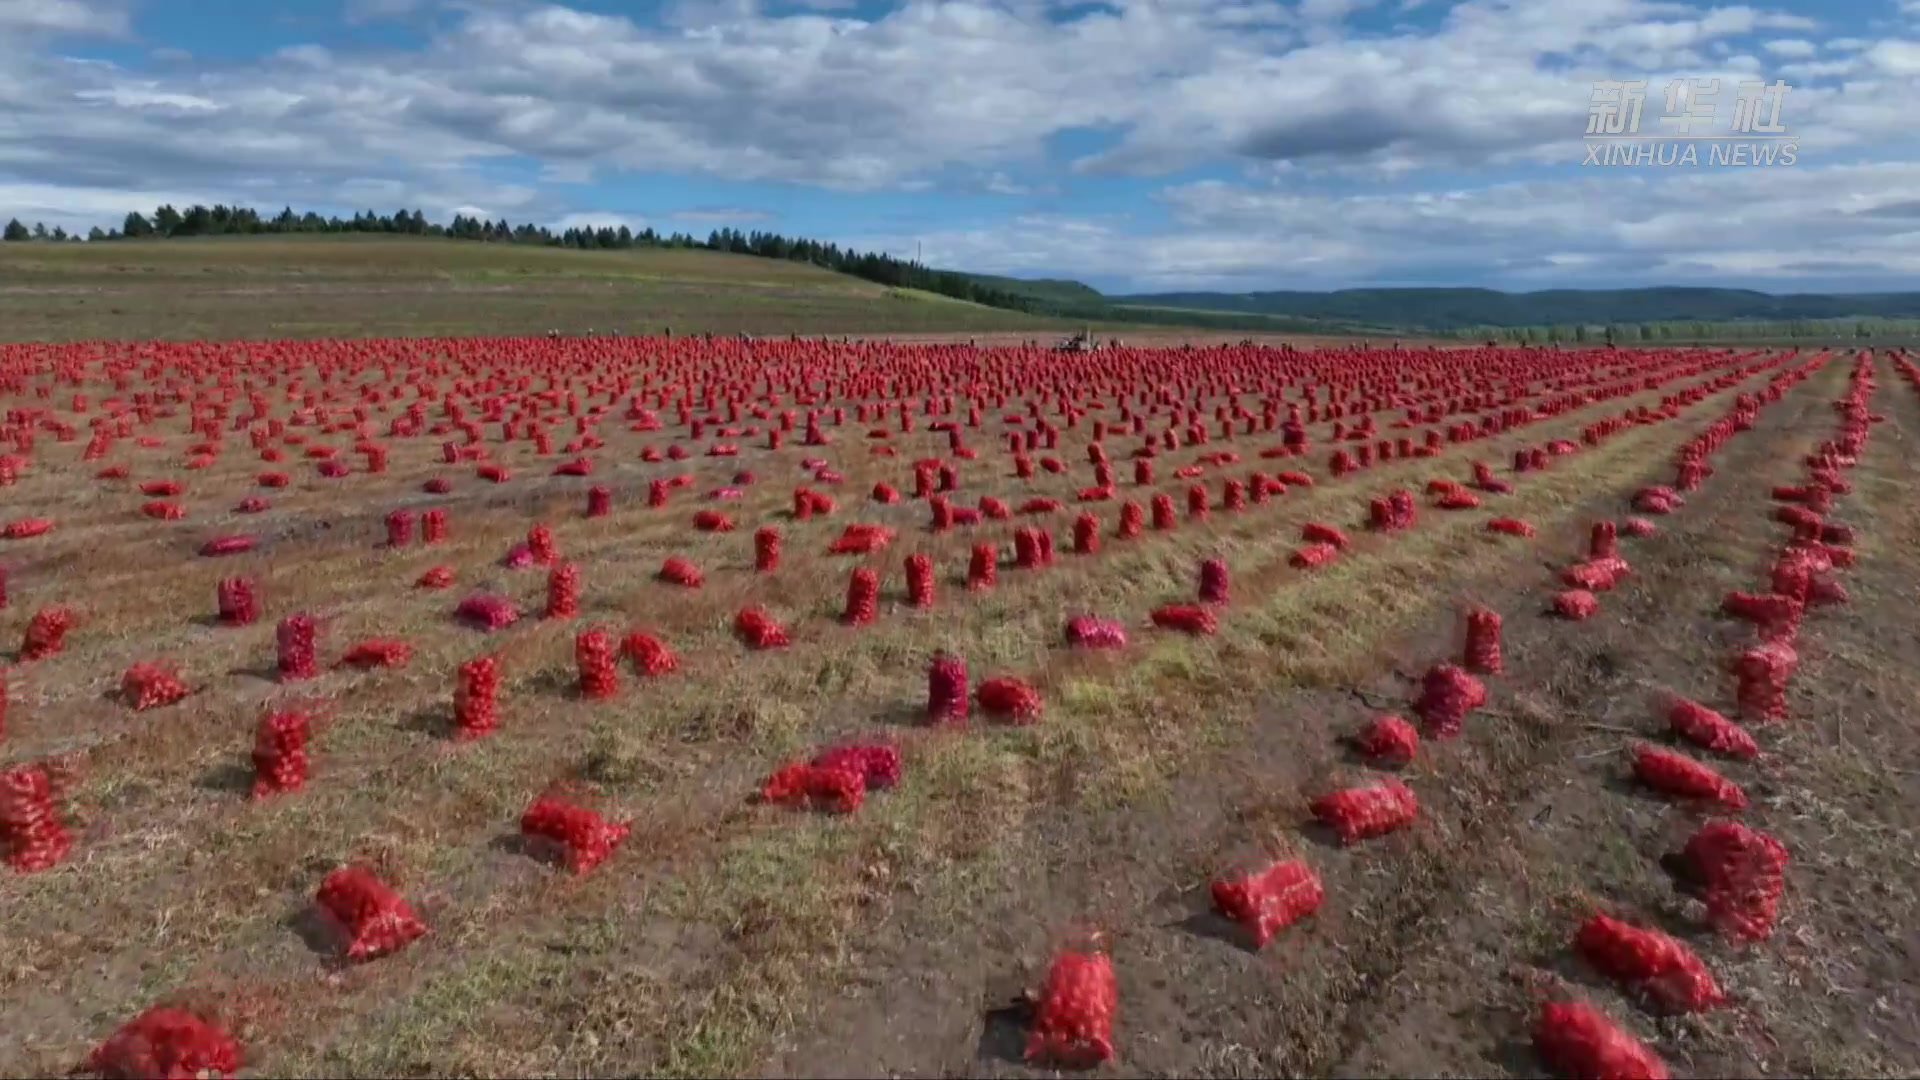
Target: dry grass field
327 286
727 936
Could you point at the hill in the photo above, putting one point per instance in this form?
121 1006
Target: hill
366 285
1464 309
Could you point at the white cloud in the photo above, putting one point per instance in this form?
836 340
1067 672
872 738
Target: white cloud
1780 227
1899 58
946 95
23 17
597 221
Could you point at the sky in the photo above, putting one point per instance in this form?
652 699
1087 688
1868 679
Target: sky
1137 145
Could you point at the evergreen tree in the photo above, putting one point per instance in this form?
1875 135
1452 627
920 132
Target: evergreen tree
15 231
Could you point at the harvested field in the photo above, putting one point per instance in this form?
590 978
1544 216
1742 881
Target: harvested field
624 855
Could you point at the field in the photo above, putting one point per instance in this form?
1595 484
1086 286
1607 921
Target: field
323 286
236 664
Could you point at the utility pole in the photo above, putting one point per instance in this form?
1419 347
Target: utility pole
918 250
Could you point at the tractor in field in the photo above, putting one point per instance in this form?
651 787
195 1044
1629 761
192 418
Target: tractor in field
1082 342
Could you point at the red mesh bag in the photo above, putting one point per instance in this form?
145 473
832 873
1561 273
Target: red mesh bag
295 643
399 528
31 832
1682 777
376 919
377 652
1741 873
712 521
947 690
1091 633
983 567
1576 604
1510 527
487 612
1314 532
1457 499
885 493
165 1042
766 550
439 577
678 571
1132 520
839 788
1187 618
1360 813
1657 500
863 597
861 540
599 501
1709 730
46 633
657 494
1026 548
149 686
1604 540
920 587
595 657
226 545
650 656
563 591
237 600
1579 1042
1640 528
164 511
1483 642
878 764
758 630
27 528
1764 672
476 698
586 838
1086 534
1074 1012
1653 963
1214 588
1197 503
1597 575
280 753
1011 699
1271 900
1380 515
1777 616
1447 695
433 527
1164 517
1312 556
1388 740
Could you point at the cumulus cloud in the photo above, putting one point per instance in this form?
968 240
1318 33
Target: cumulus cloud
962 96
1612 228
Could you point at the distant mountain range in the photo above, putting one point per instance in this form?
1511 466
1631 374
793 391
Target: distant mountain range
1436 309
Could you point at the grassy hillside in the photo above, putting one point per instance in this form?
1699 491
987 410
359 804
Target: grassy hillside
1054 290
323 286
1458 309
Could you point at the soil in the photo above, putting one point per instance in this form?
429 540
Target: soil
1434 946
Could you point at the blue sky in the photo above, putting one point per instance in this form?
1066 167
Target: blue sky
1139 145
